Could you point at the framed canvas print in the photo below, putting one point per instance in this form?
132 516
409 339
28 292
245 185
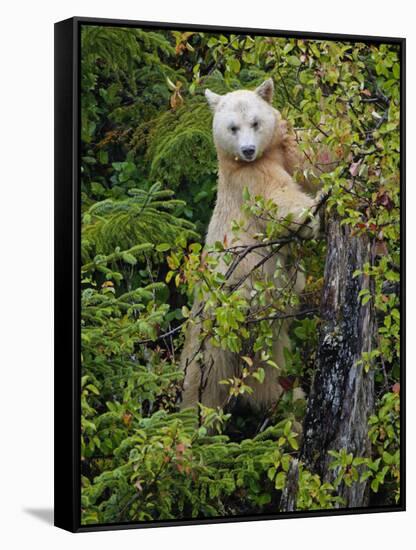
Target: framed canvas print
229 274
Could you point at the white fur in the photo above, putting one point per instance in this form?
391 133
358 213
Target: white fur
242 120
268 174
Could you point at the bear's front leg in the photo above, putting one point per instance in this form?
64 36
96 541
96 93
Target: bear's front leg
299 209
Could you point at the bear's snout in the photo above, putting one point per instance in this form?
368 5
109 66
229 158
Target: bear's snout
248 152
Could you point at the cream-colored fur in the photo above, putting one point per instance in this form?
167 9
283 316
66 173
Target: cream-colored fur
267 174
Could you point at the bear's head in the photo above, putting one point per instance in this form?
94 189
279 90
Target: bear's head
244 121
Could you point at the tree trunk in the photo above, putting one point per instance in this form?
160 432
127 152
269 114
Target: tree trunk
342 394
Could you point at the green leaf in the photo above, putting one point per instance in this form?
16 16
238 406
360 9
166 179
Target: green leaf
293 442
375 485
280 480
129 258
259 375
163 247
293 60
234 65
366 299
246 194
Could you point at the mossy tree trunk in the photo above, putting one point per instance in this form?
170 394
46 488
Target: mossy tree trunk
342 394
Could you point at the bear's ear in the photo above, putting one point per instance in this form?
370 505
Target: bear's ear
265 90
212 98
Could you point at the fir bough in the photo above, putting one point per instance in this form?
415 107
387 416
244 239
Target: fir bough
142 218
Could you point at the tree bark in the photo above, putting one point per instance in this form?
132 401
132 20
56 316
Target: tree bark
288 498
342 394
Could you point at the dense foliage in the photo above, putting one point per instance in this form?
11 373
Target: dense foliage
148 188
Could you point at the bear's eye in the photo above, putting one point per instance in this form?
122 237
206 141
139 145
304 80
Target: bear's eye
234 129
255 125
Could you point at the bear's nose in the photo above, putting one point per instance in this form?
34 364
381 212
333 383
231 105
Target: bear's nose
248 151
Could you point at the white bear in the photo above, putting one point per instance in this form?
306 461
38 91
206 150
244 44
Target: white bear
255 150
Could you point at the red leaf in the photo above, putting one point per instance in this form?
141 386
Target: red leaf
286 383
324 157
383 199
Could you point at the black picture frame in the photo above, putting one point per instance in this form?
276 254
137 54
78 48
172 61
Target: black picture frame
67 265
